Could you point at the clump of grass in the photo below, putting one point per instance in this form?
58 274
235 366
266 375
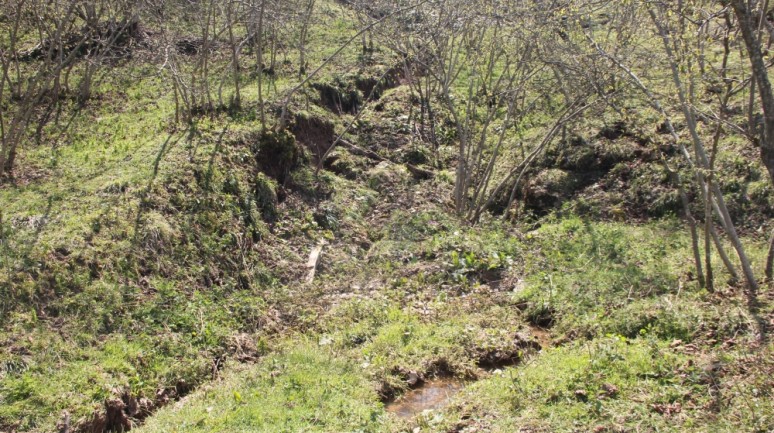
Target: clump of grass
265 196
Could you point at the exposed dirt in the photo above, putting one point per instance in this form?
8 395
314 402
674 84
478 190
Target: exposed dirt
542 336
315 133
122 412
375 88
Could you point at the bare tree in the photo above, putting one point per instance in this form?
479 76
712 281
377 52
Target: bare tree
747 26
67 31
306 21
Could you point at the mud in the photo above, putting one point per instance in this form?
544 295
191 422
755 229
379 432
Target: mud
432 395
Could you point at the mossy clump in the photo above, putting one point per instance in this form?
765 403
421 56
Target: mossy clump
231 185
339 96
417 156
652 191
276 153
344 164
265 194
386 174
158 233
761 194
253 218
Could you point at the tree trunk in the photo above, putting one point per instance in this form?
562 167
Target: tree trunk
770 260
761 77
237 101
691 225
10 159
701 155
260 64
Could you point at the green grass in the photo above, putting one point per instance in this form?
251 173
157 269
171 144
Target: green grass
601 278
669 373
306 388
141 257
616 384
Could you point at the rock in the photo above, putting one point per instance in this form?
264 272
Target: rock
413 379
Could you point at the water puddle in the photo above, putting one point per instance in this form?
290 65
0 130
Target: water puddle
434 394
437 393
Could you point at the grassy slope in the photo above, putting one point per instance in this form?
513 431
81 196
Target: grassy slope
667 358
131 271
113 245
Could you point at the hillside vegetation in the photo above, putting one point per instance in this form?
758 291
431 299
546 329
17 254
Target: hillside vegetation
295 215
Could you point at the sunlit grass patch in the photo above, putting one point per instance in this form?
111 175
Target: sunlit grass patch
306 388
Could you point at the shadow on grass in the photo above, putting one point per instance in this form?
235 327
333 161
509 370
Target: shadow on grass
146 193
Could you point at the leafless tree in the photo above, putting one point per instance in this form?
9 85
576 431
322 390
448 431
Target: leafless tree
751 35
68 33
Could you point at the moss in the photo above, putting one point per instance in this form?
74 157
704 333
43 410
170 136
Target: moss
651 191
339 95
276 153
578 158
417 156
386 174
761 194
345 164
265 194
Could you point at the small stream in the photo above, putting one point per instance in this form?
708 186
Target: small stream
434 394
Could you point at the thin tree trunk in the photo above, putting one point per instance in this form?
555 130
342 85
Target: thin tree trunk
302 40
237 101
723 255
260 64
770 260
205 54
691 224
702 156
751 41
708 227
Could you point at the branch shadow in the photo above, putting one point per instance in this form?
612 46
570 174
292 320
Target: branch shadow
144 196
